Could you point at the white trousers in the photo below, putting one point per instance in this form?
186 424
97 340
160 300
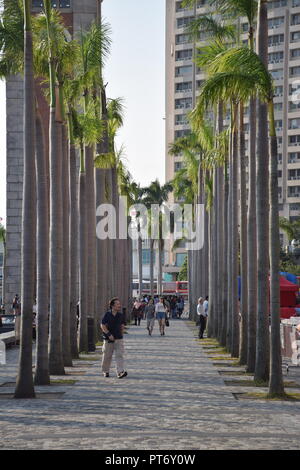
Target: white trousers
108 350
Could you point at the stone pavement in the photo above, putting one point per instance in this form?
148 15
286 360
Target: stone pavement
173 398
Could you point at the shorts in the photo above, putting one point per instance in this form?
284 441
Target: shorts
161 316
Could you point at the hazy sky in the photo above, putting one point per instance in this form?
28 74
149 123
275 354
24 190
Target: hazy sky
135 71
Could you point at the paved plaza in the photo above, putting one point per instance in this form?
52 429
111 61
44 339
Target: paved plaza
173 398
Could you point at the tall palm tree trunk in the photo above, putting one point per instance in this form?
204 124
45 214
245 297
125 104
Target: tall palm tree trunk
140 264
110 242
243 243
276 386
252 241
56 247
66 340
83 243
102 282
24 385
235 247
229 250
262 208
225 270
211 305
91 240
160 265
41 376
151 267
74 249
220 234
215 235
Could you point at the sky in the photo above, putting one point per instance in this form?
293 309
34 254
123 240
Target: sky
134 71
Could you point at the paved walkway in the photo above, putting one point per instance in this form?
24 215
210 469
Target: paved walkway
173 398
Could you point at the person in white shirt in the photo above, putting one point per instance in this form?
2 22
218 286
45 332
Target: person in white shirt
202 317
161 314
205 306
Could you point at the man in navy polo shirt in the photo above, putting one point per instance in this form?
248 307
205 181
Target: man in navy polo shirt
112 326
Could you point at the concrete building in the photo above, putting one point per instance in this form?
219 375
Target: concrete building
183 79
77 14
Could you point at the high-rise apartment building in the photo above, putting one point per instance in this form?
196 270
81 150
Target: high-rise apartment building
77 14
183 79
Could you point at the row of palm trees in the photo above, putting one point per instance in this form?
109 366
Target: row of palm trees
241 236
63 263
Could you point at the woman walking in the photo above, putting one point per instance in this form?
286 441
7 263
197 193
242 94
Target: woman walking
161 313
150 316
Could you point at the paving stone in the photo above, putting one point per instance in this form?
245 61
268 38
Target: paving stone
173 398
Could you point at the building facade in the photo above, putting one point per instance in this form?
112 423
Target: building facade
183 80
77 14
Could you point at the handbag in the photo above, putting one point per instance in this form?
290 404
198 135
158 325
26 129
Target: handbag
167 322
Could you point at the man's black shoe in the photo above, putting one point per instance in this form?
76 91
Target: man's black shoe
105 374
122 374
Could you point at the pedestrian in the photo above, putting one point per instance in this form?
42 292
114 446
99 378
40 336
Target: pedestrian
112 326
201 316
205 306
161 315
16 306
137 312
150 316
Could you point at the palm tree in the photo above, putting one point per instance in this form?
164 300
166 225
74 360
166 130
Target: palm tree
24 384
158 194
250 72
262 208
42 376
56 207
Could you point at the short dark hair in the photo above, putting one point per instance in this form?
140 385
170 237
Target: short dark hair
113 301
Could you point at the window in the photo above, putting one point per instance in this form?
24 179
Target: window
293 191
296 3
184 55
277 4
55 3
181 120
184 103
295 36
294 71
295 53
276 22
277 74
278 106
146 256
294 140
180 258
177 166
182 38
278 124
183 87
294 123
275 57
294 174
294 157
295 19
278 90
295 207
294 106
184 70
181 133
276 39
184 22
